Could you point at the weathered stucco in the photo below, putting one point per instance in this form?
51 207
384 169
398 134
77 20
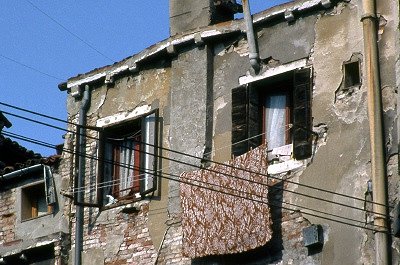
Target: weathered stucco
190 79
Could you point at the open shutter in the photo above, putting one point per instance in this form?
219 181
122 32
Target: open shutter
150 153
302 119
49 186
239 120
254 119
246 119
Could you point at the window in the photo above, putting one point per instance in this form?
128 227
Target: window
276 116
352 74
276 110
33 202
129 159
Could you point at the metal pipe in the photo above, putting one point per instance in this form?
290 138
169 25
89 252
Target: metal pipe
378 167
20 172
81 177
251 40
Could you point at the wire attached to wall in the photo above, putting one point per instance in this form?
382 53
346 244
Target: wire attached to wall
199 184
166 149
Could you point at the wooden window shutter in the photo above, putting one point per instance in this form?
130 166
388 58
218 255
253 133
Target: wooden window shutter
49 186
150 153
245 120
302 119
254 119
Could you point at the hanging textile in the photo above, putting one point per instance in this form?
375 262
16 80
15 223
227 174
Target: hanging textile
216 219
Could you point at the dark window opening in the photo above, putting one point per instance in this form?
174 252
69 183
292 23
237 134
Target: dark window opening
33 202
352 74
43 255
129 159
275 110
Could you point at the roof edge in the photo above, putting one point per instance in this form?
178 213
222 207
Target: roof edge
198 36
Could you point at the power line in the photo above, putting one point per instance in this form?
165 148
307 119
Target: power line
177 152
35 113
177 178
69 31
30 67
189 164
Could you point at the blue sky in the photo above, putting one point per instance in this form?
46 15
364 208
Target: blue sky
44 43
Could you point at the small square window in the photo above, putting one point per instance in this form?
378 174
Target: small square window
352 74
33 202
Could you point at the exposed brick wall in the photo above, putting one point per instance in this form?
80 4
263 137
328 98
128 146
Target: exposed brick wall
123 237
7 217
171 248
8 231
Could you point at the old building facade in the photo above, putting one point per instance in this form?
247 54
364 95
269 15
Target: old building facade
33 225
218 146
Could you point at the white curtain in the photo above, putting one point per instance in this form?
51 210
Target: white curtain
275 120
126 169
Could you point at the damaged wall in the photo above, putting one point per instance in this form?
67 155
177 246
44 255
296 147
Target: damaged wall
19 234
192 87
127 98
344 117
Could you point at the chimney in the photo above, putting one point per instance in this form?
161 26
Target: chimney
187 15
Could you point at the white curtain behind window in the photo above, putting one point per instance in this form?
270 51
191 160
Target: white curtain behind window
126 169
275 120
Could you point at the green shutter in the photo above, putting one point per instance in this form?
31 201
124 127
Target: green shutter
302 119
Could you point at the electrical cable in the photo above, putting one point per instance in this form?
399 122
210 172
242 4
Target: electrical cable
69 31
174 178
30 67
237 177
177 152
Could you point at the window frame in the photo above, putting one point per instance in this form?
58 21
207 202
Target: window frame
141 121
299 87
30 202
288 109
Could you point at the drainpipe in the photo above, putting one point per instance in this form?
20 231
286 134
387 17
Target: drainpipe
253 53
81 177
378 167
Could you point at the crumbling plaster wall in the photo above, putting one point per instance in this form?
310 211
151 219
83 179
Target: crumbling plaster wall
138 235
189 98
279 43
389 47
347 148
16 235
347 145
342 163
188 116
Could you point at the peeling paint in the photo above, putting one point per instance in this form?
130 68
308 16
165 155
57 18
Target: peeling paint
220 103
113 119
273 72
389 98
241 48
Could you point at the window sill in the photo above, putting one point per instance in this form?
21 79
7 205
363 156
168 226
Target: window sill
286 166
280 161
123 202
36 218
